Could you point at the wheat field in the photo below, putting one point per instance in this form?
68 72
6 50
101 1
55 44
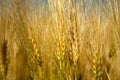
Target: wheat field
59 39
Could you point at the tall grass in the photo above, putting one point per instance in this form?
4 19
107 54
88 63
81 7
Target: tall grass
60 40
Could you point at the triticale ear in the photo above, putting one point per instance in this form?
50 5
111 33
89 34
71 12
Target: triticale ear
5 57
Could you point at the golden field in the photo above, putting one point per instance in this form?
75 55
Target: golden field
60 40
